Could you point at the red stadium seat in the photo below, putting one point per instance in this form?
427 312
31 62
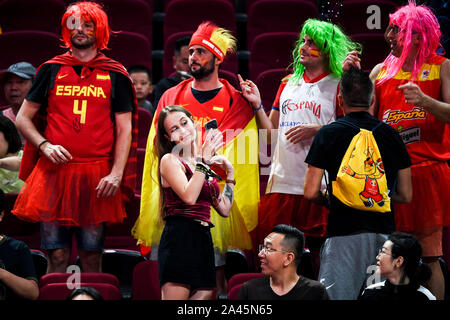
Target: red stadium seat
119 235
60 291
365 16
166 2
234 292
169 48
146 281
240 278
130 48
248 3
374 49
230 77
131 15
186 15
271 51
34 47
145 122
85 277
236 281
268 83
278 15
42 15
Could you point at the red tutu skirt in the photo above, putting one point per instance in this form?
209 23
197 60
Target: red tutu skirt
430 204
66 193
290 209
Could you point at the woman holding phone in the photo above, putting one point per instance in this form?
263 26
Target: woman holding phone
188 189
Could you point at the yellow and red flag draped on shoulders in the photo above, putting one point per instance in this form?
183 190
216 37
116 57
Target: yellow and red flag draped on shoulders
240 132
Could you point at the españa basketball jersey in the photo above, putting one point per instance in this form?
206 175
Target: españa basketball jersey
426 137
215 108
79 114
305 102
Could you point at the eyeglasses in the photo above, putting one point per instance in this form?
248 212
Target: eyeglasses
382 252
394 28
268 250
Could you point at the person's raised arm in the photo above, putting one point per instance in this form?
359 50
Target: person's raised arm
173 176
251 93
352 59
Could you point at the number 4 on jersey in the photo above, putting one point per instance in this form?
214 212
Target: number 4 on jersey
82 111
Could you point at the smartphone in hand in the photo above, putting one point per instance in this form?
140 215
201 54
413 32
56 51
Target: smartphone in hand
212 124
221 174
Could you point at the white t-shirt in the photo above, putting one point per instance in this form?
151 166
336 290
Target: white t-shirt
306 102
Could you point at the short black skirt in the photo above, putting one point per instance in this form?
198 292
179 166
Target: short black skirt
186 254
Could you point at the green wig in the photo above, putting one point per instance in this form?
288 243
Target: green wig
331 41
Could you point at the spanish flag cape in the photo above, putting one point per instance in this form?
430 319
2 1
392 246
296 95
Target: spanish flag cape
31 154
241 148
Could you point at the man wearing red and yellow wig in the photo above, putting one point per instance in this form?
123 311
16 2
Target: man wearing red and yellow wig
208 97
79 159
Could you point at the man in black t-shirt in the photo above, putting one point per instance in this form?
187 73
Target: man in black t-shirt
280 257
17 274
354 236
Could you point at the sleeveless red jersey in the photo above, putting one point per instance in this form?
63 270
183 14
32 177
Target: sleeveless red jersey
79 114
426 137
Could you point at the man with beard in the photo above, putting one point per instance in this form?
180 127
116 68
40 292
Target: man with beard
78 119
413 96
208 97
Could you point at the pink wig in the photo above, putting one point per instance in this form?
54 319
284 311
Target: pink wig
88 11
411 19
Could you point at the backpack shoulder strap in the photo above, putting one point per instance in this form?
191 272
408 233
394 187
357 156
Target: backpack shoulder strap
376 127
349 124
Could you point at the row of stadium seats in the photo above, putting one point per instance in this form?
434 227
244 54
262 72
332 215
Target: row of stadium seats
147 36
185 15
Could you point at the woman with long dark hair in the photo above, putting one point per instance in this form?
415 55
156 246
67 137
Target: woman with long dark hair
188 189
399 260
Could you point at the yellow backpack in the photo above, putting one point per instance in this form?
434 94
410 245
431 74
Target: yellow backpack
361 181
